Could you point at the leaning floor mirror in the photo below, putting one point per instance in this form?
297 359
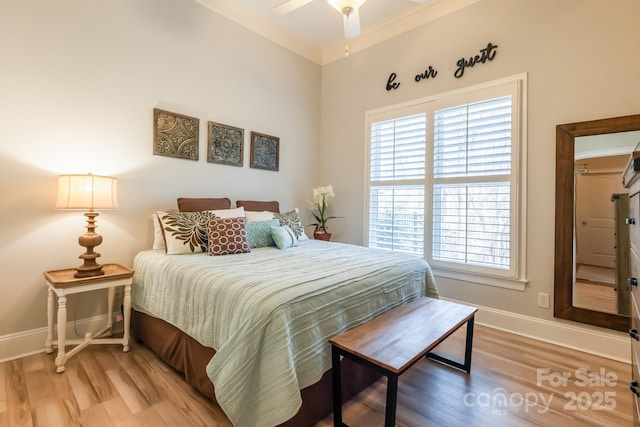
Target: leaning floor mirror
592 244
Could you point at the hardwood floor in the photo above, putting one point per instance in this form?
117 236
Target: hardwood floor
514 381
595 296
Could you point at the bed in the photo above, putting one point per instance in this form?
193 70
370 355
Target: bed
251 330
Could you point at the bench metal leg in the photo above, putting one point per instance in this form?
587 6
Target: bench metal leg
466 366
392 398
337 387
468 345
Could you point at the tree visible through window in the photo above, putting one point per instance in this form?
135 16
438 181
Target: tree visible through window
396 208
471 184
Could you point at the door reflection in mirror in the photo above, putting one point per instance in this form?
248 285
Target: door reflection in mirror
601 239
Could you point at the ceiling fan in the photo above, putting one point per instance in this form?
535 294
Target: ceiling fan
348 8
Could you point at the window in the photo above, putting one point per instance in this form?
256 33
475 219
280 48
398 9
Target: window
471 184
445 182
396 208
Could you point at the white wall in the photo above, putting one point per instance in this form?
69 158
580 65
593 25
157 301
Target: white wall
78 85
582 64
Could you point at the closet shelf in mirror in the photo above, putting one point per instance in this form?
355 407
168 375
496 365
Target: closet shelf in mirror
633 167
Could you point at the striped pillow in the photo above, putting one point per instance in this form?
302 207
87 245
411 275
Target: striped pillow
284 237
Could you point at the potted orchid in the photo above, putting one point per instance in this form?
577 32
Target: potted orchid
321 197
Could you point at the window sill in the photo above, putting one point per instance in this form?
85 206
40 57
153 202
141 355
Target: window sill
499 282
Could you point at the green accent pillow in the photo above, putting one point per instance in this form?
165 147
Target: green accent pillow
284 237
259 233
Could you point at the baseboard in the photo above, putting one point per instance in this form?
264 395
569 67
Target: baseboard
610 344
15 346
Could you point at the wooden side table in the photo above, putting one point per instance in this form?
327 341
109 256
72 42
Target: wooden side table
62 283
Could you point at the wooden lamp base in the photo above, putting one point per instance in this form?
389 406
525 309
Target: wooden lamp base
89 240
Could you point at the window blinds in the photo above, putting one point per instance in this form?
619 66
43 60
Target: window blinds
473 140
472 184
398 148
396 206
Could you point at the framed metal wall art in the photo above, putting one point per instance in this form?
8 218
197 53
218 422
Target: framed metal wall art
265 152
175 135
225 144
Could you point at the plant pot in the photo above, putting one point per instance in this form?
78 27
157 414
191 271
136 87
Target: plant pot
321 234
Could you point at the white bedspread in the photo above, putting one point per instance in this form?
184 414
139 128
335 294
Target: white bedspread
269 313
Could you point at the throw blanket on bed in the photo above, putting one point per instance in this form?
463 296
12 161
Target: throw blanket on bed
270 312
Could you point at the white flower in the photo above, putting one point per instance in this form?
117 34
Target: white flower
318 205
323 192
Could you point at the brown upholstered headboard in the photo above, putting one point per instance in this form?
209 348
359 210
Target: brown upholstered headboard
257 206
189 204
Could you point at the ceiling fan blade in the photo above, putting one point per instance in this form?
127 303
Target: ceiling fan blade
351 24
290 6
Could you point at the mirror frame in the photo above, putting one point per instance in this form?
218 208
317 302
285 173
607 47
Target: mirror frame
563 275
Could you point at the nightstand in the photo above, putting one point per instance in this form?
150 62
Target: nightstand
62 283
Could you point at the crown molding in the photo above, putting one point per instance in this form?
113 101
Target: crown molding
264 28
395 26
392 27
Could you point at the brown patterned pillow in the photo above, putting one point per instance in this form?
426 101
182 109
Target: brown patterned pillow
185 232
227 236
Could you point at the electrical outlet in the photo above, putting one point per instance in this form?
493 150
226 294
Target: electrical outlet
543 300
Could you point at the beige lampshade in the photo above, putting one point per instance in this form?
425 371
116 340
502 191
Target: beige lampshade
87 192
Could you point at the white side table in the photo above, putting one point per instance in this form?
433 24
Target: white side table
62 283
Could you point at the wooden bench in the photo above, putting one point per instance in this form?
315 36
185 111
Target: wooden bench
392 342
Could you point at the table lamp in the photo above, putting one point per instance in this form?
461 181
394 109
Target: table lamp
88 192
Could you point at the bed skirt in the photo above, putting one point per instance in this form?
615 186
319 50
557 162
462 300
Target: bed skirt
189 357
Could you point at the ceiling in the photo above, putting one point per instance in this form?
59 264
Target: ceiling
316 29
609 144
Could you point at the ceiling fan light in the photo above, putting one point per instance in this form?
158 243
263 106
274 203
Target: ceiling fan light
341 5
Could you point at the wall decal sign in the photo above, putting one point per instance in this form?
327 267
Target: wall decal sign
429 72
486 54
390 82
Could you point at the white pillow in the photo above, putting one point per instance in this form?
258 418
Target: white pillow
253 216
229 213
158 238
